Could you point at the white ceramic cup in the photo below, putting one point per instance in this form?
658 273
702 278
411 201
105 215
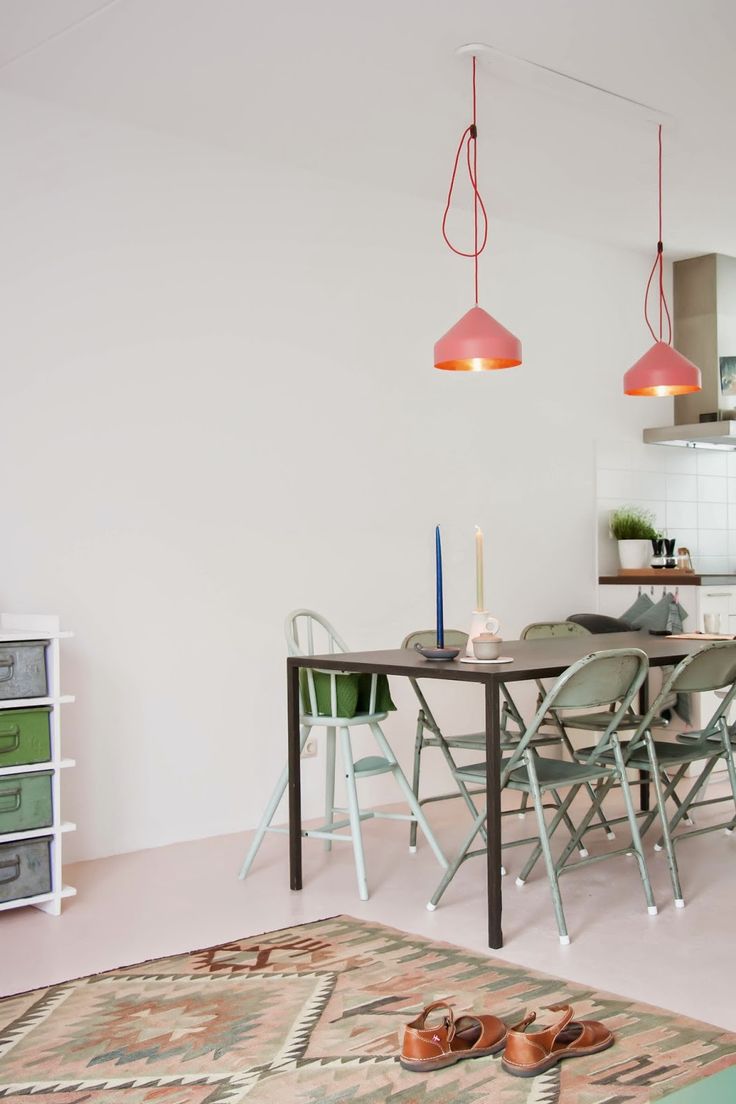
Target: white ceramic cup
712 622
487 646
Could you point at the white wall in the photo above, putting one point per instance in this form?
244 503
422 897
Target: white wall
219 403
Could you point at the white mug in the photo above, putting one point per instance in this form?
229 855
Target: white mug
712 622
493 625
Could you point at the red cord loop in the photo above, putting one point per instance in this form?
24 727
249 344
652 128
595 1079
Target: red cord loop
468 139
664 310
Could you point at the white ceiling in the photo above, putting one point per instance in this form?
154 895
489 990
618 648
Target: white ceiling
374 92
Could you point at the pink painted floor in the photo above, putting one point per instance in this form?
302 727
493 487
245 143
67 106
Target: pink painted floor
173 899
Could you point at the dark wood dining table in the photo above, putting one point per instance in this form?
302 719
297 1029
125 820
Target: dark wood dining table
532 659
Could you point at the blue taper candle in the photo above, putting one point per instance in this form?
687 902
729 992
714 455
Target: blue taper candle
440 609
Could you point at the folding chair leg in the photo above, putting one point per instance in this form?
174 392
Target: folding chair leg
547 851
666 834
636 844
354 812
728 749
330 783
416 769
454 866
269 811
577 835
408 793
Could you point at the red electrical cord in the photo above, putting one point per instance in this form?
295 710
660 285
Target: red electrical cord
469 139
664 311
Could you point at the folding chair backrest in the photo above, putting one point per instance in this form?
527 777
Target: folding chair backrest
603 678
543 630
610 677
428 637
712 668
308 633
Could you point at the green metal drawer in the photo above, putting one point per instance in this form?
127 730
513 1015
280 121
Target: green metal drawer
25 736
23 669
25 868
25 801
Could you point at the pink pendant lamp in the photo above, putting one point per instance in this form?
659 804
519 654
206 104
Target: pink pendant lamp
477 342
662 370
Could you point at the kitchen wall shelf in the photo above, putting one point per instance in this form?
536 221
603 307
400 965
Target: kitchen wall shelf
15 629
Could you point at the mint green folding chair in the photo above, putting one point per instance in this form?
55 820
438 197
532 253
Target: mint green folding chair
607 678
712 668
430 735
322 698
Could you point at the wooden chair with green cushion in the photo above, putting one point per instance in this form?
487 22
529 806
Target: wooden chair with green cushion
339 703
430 735
606 678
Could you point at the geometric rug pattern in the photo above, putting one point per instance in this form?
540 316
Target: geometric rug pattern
313 1015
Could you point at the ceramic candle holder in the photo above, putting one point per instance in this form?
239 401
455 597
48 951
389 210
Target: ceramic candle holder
482 621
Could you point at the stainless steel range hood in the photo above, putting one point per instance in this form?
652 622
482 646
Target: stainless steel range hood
705 332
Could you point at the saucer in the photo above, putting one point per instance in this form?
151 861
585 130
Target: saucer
501 659
437 655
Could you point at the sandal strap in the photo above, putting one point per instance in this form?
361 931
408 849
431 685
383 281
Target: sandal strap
449 1017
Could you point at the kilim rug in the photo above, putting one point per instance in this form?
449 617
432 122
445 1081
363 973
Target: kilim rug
313 1015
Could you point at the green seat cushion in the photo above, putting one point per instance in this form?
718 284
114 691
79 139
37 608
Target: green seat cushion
353 694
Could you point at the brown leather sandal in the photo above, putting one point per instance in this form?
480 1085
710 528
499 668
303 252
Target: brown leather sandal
432 1048
529 1055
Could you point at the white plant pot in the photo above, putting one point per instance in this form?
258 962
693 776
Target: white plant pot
633 555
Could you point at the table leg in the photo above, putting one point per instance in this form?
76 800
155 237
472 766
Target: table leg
493 800
644 775
295 781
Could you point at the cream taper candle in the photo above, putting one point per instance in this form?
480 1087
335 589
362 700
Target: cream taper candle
479 598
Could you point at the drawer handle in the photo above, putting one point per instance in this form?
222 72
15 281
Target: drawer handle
728 594
9 663
13 796
9 739
10 864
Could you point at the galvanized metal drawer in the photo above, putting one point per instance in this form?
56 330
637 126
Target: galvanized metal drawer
25 802
23 669
25 868
25 736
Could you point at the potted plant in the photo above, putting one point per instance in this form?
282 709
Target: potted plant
633 528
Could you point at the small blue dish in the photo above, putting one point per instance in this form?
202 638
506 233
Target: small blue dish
437 655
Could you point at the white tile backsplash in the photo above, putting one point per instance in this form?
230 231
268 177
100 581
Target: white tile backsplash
681 515
712 488
642 485
712 542
681 488
691 492
710 462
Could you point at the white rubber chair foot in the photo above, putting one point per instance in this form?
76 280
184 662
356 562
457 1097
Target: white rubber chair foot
610 835
686 820
503 871
521 815
520 882
658 847
583 852
431 907
565 940
679 903
728 831
629 854
412 850
652 910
